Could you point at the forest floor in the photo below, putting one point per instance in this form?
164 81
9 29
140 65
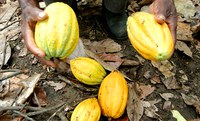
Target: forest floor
155 88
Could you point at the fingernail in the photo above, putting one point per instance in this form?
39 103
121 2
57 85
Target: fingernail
161 17
41 14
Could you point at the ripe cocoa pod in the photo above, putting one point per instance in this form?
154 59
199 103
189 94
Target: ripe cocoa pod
58 35
87 70
113 95
87 110
150 39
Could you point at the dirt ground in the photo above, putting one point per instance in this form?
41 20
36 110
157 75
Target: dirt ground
92 28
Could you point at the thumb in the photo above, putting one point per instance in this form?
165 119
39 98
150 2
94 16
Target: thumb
36 14
160 18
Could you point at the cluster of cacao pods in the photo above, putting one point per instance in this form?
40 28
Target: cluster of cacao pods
58 36
112 94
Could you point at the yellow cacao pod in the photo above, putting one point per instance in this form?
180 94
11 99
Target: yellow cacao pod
57 35
87 70
151 39
87 110
113 95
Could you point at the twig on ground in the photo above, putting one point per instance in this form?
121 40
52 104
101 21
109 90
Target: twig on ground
3 55
37 100
24 115
12 15
45 110
15 72
9 25
17 33
20 108
2 21
62 116
9 70
55 113
79 86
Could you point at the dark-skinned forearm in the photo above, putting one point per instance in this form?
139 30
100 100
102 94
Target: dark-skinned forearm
24 3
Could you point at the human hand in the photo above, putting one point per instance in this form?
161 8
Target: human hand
30 15
165 11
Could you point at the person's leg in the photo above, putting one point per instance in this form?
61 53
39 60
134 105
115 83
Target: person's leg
115 6
116 17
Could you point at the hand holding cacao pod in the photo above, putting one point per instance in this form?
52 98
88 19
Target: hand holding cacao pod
30 15
58 35
151 39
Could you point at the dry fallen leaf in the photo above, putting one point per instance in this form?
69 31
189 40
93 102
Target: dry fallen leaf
141 59
40 96
167 96
129 62
23 52
165 67
5 51
183 76
10 92
113 59
145 90
134 104
183 47
168 105
192 100
155 79
185 7
4 87
57 86
151 109
29 86
198 45
194 120
7 11
107 66
183 32
171 83
103 46
197 106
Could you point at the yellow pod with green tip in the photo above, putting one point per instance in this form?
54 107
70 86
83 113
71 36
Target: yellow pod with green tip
150 39
57 35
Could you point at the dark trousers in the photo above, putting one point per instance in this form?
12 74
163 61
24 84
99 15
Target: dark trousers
115 6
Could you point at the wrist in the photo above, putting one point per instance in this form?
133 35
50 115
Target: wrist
24 3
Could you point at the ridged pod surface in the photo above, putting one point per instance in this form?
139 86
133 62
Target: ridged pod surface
87 70
87 110
151 39
58 35
113 95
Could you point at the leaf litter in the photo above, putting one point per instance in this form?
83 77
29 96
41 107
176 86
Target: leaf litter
141 103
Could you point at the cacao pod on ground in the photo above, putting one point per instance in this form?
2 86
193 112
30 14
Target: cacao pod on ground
113 95
87 70
87 110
